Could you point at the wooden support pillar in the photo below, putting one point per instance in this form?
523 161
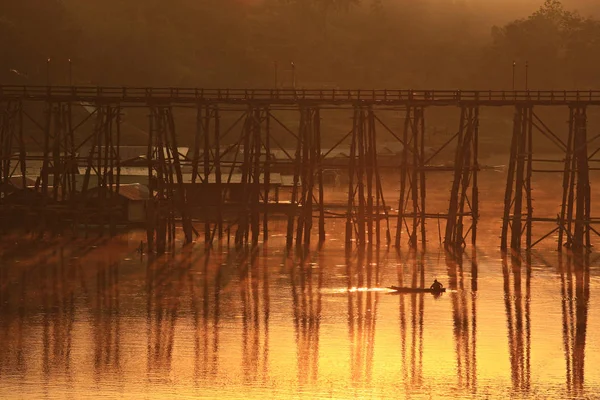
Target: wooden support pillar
450 238
360 172
197 141
166 180
404 167
475 185
117 151
22 156
373 173
351 170
566 182
241 234
296 180
101 146
412 178
465 177
161 180
72 163
56 153
465 171
519 182
46 166
422 183
150 208
379 199
517 218
205 123
368 156
303 134
308 170
510 180
267 173
109 169
365 191
311 166
182 203
528 131
514 148
581 236
217 157
319 164
255 192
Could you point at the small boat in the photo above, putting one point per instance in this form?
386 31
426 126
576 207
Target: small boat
399 289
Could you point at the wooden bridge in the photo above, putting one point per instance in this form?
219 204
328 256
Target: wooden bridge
92 143
93 94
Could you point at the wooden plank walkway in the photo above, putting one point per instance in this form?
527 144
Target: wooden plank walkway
336 97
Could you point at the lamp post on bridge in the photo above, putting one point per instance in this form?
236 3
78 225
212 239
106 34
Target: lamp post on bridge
48 71
514 66
70 72
527 75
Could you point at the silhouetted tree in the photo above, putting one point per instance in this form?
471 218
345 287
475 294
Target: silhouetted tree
343 43
558 44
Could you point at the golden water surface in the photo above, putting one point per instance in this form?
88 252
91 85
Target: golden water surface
93 318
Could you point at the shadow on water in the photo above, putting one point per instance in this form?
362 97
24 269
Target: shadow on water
576 295
574 274
464 316
57 314
254 364
43 285
47 293
412 350
166 279
517 305
306 284
362 271
107 318
207 274
164 283
206 326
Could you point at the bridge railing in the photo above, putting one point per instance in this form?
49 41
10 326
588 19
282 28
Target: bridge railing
91 93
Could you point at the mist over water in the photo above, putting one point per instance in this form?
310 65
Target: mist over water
93 318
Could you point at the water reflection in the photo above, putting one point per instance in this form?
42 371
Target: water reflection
206 328
165 281
57 315
306 284
38 296
464 317
74 315
518 318
107 318
362 271
12 315
412 350
575 292
254 364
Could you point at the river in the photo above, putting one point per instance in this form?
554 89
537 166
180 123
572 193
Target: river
94 318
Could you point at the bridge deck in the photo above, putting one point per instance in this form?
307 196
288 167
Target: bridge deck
334 97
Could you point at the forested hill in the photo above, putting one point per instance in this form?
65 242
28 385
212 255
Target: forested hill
332 43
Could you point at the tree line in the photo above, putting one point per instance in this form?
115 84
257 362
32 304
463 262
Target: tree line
312 43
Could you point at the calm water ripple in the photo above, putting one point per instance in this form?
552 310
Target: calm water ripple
94 319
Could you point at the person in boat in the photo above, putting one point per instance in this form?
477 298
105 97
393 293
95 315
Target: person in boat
437 286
